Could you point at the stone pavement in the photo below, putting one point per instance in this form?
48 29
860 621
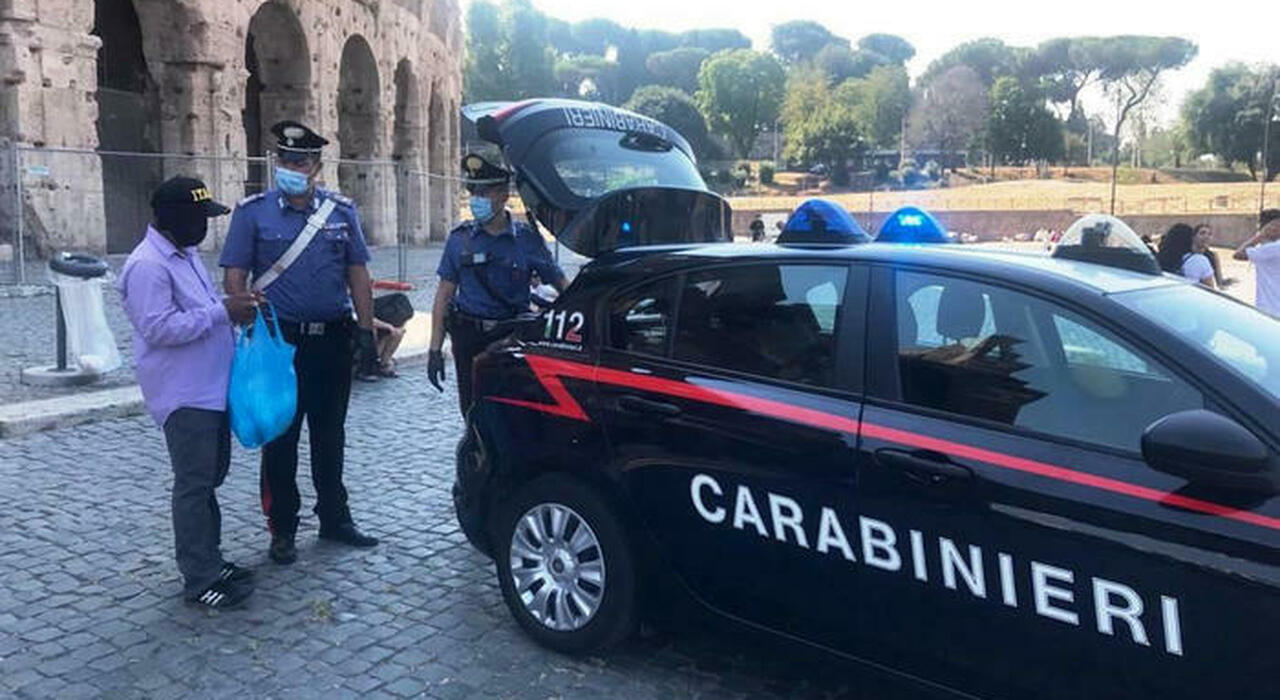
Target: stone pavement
90 596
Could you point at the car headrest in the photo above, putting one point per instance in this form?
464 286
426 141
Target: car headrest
961 311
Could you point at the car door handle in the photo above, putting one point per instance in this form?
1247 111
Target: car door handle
924 467
635 404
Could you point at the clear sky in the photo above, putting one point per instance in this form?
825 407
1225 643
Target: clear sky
1225 30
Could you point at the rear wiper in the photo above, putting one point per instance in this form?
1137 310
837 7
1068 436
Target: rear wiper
639 141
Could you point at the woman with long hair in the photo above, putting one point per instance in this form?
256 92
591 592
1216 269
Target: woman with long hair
1200 244
1178 255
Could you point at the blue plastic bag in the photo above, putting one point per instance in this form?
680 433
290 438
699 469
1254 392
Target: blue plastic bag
263 396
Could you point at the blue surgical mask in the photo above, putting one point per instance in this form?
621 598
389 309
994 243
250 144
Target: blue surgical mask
481 208
292 182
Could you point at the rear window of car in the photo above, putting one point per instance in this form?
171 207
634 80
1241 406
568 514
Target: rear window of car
592 163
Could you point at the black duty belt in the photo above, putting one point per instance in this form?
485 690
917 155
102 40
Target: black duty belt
317 328
460 319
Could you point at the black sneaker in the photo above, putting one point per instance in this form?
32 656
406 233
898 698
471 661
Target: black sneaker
346 533
235 574
282 550
221 595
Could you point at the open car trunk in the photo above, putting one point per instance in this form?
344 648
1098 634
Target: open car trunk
601 178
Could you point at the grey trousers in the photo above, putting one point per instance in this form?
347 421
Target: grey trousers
200 449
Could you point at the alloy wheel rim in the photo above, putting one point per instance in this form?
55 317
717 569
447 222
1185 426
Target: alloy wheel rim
557 567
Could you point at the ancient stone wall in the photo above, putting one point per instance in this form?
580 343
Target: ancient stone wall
203 80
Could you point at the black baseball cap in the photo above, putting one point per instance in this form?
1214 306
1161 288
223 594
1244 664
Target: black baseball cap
187 192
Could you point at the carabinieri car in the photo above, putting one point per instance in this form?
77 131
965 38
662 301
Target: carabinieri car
1006 475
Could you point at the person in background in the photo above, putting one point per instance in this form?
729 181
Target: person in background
182 348
1177 255
1202 243
1263 250
757 229
389 339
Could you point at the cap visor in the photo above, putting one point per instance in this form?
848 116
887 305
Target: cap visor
212 208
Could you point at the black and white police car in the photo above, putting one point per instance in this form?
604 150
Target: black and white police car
1006 475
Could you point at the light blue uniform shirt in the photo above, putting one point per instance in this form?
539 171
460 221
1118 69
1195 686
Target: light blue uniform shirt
314 288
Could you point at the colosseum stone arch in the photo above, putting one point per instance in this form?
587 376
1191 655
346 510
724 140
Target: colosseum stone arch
207 78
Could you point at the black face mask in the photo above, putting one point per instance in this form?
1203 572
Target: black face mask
186 225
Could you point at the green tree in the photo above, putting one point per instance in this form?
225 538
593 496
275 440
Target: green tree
715 40
677 110
592 77
1066 66
800 40
655 40
1019 126
560 34
822 125
677 68
892 47
1131 67
486 45
880 102
840 63
595 36
988 58
509 54
1225 117
950 110
740 91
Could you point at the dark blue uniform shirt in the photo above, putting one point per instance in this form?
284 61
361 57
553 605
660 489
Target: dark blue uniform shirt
314 288
509 261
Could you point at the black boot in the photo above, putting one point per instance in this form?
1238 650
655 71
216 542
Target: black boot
346 533
282 549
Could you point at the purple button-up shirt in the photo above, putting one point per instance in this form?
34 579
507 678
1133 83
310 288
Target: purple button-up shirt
182 337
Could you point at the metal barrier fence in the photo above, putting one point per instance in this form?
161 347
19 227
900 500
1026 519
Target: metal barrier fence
54 199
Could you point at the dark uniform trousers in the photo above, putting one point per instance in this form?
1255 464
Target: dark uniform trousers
469 338
323 364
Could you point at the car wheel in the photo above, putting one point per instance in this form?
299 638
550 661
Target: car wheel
565 566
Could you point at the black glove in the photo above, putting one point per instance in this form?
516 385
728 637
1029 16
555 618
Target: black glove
366 352
435 368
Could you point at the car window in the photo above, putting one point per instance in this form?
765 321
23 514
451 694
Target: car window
640 320
1084 347
776 321
987 352
594 163
1240 336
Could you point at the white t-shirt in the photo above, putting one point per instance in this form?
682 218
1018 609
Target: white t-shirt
1266 261
1196 266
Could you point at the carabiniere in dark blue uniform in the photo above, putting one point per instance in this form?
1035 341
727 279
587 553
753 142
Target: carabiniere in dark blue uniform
311 285
485 275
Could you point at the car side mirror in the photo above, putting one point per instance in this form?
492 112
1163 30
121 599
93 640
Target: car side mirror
1209 449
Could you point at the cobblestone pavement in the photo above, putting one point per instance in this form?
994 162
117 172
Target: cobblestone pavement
90 596
29 338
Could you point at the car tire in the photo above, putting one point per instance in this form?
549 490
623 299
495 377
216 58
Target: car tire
571 584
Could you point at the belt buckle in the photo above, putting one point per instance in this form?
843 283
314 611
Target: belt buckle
488 324
313 328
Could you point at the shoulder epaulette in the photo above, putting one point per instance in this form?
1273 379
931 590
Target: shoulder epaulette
251 199
342 199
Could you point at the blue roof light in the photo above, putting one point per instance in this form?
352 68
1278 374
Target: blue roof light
912 225
822 221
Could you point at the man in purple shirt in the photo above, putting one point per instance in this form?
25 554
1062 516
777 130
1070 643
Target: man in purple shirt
182 347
